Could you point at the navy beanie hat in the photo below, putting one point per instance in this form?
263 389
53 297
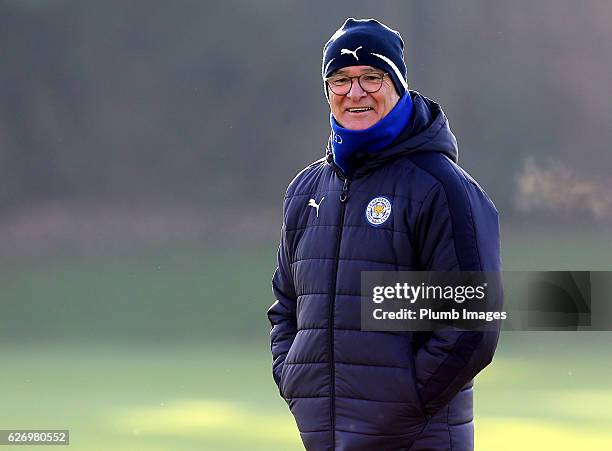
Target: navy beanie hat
366 42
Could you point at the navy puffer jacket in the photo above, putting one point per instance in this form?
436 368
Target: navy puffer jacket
378 391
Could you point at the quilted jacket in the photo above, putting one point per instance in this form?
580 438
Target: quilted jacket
354 390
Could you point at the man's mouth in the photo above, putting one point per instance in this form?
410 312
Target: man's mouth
359 109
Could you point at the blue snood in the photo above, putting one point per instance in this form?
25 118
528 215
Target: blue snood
346 143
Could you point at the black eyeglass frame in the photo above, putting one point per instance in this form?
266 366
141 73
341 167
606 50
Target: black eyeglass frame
358 77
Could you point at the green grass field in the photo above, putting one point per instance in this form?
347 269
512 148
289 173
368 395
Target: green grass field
168 351
550 392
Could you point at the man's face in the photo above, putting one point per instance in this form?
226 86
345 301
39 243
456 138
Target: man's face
379 102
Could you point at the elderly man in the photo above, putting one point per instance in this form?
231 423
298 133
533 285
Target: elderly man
388 196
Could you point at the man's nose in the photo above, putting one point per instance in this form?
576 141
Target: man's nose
356 91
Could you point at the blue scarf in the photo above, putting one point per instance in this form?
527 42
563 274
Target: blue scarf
346 143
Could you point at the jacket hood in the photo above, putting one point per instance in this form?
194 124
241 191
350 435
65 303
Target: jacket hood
427 131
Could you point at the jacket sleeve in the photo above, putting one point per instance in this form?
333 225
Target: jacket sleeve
457 230
282 314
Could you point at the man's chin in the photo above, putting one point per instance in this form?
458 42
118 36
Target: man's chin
362 124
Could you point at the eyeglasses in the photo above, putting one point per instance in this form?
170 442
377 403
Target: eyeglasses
370 82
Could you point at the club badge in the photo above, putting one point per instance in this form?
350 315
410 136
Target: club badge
378 211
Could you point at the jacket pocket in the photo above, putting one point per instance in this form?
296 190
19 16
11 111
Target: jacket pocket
415 385
282 381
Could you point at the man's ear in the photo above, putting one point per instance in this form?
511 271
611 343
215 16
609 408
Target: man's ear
394 87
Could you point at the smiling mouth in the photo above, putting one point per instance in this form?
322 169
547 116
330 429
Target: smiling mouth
360 109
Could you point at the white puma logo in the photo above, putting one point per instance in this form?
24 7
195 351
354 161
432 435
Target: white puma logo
313 203
352 52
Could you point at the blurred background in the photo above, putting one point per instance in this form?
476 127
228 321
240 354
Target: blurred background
145 147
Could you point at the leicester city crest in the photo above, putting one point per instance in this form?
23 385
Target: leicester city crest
378 211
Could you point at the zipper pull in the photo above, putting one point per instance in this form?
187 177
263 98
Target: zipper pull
344 194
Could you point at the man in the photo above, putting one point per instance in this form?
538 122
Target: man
388 196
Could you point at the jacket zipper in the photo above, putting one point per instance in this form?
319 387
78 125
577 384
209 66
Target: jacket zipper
343 201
